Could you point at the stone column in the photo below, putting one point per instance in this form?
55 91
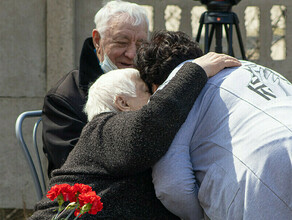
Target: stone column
60 39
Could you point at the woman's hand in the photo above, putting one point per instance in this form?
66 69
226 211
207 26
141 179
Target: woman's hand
213 63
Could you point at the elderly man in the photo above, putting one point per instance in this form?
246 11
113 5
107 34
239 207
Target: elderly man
233 154
120 29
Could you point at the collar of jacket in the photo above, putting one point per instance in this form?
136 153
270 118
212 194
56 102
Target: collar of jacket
89 68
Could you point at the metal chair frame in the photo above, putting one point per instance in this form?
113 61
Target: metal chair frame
39 181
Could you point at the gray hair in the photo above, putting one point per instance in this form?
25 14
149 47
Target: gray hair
132 12
102 94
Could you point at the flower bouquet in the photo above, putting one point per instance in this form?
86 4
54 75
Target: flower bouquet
81 197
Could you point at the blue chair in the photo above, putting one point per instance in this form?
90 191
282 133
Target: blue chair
39 180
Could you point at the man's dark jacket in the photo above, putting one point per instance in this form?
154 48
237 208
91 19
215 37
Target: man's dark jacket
63 116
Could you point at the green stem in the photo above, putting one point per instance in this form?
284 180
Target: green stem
57 215
72 211
60 209
62 212
54 217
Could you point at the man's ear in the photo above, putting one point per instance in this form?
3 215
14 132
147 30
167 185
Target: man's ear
121 103
96 43
154 87
96 39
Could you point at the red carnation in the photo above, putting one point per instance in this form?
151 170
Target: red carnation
56 190
53 192
81 188
97 206
77 212
90 202
82 199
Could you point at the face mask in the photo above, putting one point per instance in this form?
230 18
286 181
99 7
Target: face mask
107 65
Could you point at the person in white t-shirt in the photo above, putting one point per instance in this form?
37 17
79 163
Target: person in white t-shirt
231 159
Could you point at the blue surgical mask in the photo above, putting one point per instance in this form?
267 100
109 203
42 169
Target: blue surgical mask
107 65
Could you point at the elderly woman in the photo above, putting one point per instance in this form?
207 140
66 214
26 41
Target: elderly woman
125 137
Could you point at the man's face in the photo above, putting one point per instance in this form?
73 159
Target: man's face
121 42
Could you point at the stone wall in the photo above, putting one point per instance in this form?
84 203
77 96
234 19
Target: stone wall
40 40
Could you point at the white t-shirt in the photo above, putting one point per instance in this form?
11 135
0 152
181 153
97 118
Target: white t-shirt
239 126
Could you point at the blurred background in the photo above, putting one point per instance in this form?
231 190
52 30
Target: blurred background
41 40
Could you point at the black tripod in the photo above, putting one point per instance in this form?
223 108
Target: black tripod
217 19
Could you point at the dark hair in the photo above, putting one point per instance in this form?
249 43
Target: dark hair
167 49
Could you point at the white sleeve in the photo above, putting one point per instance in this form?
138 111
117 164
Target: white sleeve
175 184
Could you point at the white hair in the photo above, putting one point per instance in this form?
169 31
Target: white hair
102 94
130 12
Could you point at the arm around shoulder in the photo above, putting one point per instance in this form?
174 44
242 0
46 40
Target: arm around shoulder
134 141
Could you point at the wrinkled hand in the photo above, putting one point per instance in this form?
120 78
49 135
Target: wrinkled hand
213 63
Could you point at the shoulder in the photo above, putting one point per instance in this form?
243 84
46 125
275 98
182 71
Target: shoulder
68 81
67 90
66 96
